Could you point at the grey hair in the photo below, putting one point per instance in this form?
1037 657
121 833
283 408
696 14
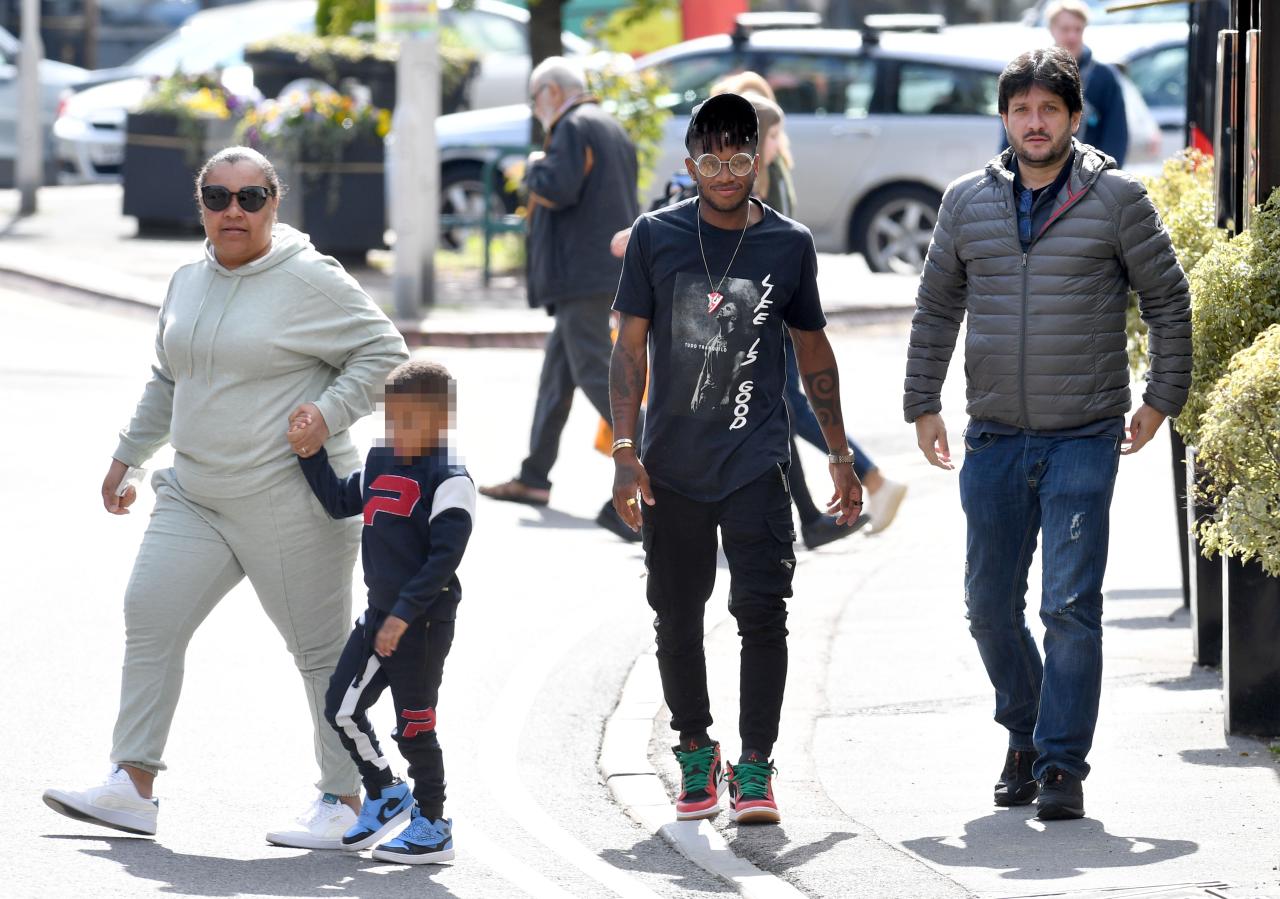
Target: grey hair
565 73
232 155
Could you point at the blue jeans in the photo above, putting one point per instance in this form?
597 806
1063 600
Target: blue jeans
806 423
1014 488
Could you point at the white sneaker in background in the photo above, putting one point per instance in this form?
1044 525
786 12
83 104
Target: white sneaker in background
115 803
882 506
319 827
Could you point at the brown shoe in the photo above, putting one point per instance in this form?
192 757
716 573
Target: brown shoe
515 491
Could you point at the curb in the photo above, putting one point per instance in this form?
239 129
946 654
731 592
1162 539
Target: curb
635 785
417 334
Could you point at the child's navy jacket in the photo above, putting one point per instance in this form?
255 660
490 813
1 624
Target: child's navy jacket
417 520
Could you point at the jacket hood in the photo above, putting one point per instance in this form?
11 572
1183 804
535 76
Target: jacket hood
1087 165
286 242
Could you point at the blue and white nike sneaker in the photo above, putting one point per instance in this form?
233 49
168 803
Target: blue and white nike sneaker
382 811
423 842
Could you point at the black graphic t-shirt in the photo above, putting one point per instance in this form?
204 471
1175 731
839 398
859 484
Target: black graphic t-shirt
716 420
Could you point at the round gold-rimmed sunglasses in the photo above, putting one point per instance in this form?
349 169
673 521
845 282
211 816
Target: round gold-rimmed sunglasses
709 164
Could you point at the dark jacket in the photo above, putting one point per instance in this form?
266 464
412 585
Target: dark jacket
581 193
1104 123
1045 340
417 521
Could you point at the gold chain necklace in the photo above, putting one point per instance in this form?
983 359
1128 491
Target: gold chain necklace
714 297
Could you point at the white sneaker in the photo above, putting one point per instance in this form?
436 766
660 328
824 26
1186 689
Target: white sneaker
320 827
882 505
116 803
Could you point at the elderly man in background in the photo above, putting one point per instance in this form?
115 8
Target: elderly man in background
582 190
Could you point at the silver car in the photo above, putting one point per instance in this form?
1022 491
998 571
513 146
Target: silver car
879 124
55 80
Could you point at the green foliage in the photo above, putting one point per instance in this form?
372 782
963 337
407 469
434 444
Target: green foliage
1240 449
632 97
1183 195
1235 296
336 17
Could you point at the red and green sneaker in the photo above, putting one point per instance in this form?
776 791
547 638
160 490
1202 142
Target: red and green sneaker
751 792
701 781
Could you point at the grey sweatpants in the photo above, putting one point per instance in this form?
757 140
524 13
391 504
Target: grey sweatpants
195 550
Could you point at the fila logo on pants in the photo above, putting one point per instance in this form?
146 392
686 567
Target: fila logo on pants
417 722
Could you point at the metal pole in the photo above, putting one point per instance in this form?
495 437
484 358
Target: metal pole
29 168
416 178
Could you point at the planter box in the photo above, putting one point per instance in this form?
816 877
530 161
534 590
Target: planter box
161 162
1205 579
273 69
1251 650
340 204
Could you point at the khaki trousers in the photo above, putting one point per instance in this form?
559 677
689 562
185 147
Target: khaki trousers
195 550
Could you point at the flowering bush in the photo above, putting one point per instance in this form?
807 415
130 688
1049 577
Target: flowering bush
198 97
1240 451
311 124
1235 296
1183 195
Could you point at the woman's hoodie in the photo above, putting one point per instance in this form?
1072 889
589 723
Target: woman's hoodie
237 350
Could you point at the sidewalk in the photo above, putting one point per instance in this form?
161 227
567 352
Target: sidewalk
80 240
888 754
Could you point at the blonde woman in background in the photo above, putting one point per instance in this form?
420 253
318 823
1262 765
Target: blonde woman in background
775 185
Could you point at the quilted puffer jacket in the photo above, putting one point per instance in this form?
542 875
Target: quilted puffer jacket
1045 339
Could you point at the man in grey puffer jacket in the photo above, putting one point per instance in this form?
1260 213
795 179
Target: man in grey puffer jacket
1040 250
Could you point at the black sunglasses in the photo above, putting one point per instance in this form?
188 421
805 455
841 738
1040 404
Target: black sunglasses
217 198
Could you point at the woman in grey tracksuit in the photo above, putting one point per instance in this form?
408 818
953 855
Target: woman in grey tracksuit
260 327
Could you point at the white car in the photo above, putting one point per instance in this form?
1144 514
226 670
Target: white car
879 124
90 128
55 79
90 131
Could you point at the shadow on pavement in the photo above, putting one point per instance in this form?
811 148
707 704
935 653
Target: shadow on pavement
653 855
768 847
310 874
1240 752
1198 678
1007 841
1179 618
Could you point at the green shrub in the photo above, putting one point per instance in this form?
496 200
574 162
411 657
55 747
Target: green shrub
336 17
1235 295
1183 195
1240 449
631 96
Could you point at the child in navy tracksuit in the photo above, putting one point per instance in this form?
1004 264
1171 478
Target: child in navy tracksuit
418 506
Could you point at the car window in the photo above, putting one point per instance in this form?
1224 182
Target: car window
688 79
925 89
809 84
486 32
1161 76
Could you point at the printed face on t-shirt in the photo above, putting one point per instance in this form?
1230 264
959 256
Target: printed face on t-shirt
715 344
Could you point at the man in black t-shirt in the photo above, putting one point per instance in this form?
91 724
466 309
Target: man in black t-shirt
708 287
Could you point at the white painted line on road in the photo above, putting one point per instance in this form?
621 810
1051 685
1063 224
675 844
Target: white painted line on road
624 762
510 868
506 719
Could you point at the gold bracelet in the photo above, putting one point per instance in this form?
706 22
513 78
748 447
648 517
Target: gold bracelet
622 443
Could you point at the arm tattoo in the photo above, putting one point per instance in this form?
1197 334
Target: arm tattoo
628 370
823 389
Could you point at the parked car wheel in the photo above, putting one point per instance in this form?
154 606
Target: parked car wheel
462 192
893 228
